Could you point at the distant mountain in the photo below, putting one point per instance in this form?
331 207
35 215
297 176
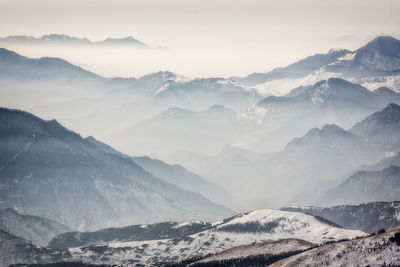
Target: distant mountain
387 95
181 129
243 229
381 129
363 186
320 155
383 163
332 101
368 217
47 170
185 179
15 250
296 70
16 67
39 230
202 93
379 56
374 250
329 151
62 39
374 65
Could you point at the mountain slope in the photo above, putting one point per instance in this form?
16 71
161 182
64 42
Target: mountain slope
298 69
15 250
49 171
39 230
364 187
374 65
332 101
376 250
242 229
181 129
381 128
202 93
368 217
185 179
258 254
16 67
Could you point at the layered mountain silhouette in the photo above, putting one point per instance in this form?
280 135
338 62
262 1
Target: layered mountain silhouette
364 186
182 129
47 170
381 129
185 179
375 64
62 39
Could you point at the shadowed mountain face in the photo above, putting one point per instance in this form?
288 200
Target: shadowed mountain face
15 250
49 171
375 250
16 67
37 229
364 187
381 129
185 179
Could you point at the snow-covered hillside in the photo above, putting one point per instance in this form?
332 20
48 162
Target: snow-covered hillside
377 250
243 229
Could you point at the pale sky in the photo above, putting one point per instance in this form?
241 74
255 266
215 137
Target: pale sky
206 37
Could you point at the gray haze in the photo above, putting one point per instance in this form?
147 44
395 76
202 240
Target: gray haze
206 38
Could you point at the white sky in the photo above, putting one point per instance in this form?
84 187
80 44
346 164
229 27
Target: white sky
206 37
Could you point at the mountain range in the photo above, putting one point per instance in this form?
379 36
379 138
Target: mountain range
50 171
62 39
374 65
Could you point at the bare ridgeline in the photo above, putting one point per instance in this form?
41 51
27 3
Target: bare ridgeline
162 170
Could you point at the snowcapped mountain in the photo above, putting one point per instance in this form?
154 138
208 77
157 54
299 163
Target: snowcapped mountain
379 56
381 129
47 170
185 179
363 186
242 229
141 232
296 70
374 65
368 217
37 229
375 250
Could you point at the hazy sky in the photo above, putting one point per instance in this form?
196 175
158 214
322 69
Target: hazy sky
206 37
